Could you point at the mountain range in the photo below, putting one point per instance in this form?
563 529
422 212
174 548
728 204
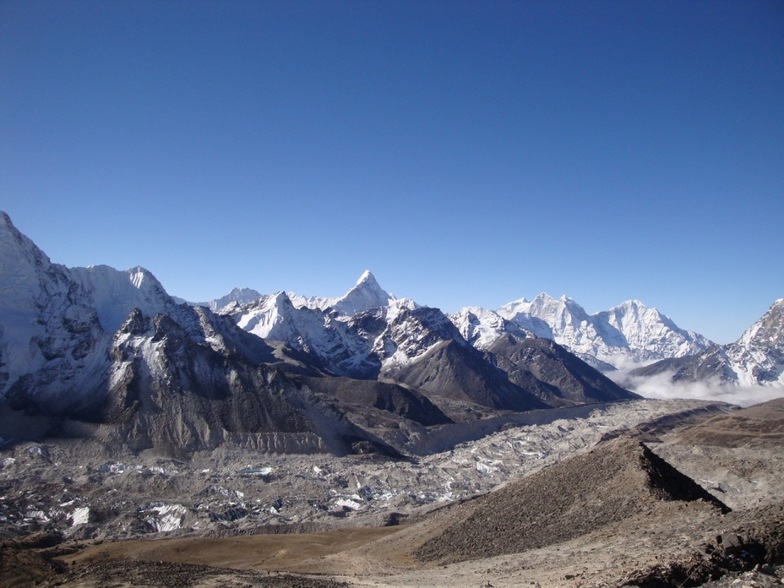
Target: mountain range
110 354
756 358
630 336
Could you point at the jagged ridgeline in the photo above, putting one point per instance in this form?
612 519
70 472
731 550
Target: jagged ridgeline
101 352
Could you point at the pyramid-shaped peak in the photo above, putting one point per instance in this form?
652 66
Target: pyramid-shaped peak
279 298
17 248
365 295
367 278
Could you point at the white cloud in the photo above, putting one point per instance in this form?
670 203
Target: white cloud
662 386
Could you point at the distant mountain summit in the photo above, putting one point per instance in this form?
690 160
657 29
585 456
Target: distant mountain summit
370 334
627 334
756 358
236 297
365 295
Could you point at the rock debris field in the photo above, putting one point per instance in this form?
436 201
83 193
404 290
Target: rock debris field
645 493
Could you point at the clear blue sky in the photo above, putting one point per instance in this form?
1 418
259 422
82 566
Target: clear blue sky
468 153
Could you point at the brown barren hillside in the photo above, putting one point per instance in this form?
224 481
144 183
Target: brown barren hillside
616 480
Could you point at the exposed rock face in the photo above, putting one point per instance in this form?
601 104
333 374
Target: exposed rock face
452 371
168 390
546 369
616 480
390 398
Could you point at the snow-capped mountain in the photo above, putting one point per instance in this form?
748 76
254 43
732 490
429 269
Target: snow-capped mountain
756 358
366 295
114 293
354 335
236 297
58 325
370 334
626 335
101 352
482 327
106 352
758 355
48 324
629 333
320 334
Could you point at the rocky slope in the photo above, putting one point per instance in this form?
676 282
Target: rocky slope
616 480
89 489
550 372
620 518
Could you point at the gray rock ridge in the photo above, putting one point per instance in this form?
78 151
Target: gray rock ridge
552 373
422 348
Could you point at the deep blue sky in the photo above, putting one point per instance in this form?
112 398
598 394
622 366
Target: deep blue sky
468 153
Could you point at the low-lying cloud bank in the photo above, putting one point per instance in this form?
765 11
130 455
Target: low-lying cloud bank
662 386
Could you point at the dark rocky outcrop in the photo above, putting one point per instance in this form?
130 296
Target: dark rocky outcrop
458 372
616 480
552 373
